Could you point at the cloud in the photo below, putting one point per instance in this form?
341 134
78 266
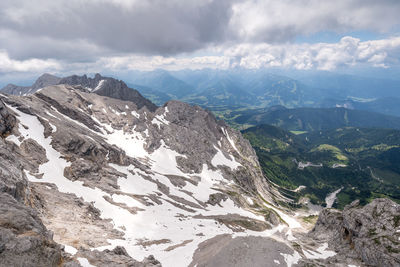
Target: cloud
74 36
159 62
85 30
348 52
324 56
154 27
31 65
281 21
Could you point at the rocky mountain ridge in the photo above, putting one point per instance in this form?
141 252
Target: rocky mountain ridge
107 182
104 86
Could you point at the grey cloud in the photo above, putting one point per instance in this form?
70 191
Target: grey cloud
76 31
153 27
282 21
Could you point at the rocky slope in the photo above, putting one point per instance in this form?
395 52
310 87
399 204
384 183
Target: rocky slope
99 181
104 173
371 233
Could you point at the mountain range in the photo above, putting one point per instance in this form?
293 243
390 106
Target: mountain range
242 88
94 174
315 119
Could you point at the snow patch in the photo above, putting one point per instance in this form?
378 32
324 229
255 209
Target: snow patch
160 119
321 253
133 143
70 250
250 201
51 115
84 262
291 259
135 114
99 85
230 139
330 198
220 159
14 139
292 222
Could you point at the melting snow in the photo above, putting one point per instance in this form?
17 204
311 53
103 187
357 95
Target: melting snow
249 200
14 139
321 253
291 259
160 119
135 114
230 139
84 262
330 198
99 85
51 115
157 221
292 222
70 250
132 143
220 159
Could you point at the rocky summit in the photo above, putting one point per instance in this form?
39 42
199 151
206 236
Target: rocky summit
93 174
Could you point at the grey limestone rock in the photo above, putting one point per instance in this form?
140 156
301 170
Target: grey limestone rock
110 87
7 120
118 257
24 241
371 232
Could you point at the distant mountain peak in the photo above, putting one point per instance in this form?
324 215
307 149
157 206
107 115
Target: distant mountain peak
44 80
106 86
111 87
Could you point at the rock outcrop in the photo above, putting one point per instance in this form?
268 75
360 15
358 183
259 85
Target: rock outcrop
24 240
118 257
7 120
371 233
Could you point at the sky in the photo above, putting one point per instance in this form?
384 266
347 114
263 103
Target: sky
71 36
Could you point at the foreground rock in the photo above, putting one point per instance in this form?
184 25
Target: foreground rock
370 233
7 120
225 251
118 257
24 240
